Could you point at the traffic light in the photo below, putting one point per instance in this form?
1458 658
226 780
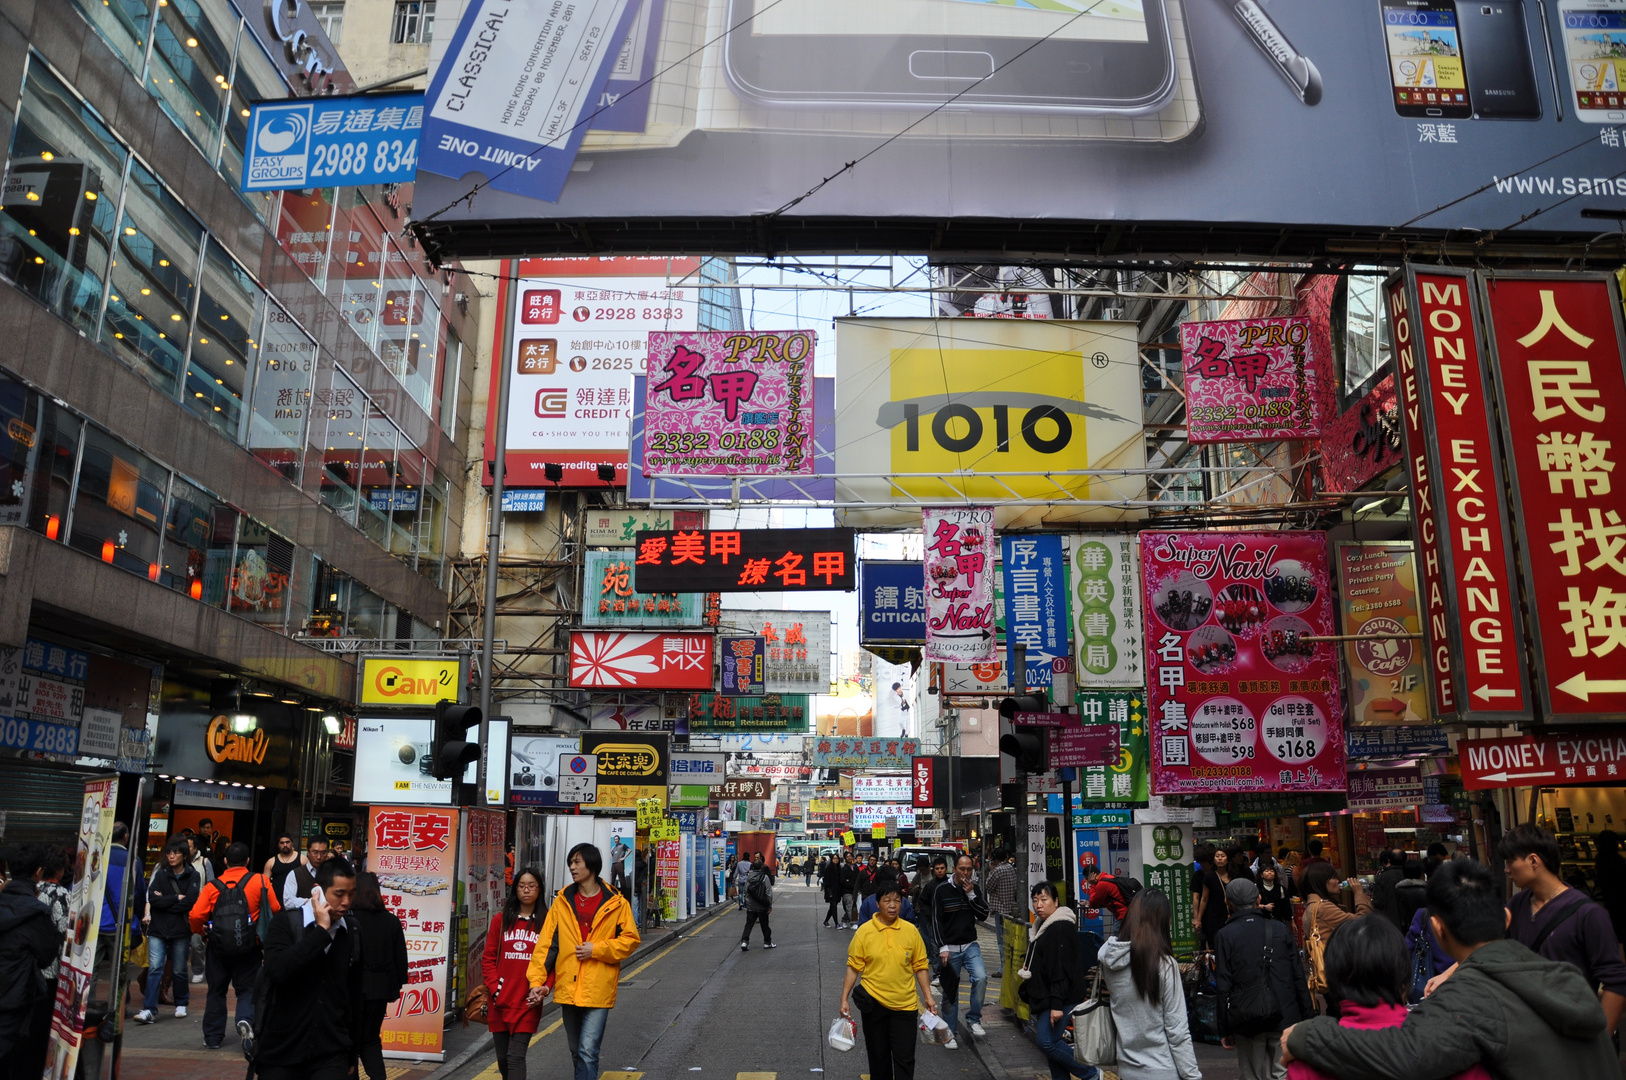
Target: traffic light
453 748
1026 744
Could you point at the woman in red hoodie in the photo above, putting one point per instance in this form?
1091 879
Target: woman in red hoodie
1368 973
509 944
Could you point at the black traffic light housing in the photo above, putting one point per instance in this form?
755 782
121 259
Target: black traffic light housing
453 749
1028 745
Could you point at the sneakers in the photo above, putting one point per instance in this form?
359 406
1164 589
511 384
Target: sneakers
770 945
145 1016
744 947
978 1030
196 979
952 1044
211 1046
180 1012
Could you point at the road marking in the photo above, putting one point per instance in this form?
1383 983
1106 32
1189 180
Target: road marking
490 1071
607 1075
759 1076
634 972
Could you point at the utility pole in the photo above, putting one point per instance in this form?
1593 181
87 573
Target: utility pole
1019 683
488 629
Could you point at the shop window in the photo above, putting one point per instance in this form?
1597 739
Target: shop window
304 227
282 394
39 441
261 576
226 346
123 24
414 22
1360 334
118 511
255 79
149 306
191 55
61 198
198 534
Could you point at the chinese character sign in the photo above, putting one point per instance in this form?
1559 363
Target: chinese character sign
1563 390
892 599
1385 789
744 665
677 660
1123 783
744 560
959 583
773 712
609 600
798 644
836 752
729 403
1240 700
413 850
1107 610
349 141
1034 569
1251 380
1378 597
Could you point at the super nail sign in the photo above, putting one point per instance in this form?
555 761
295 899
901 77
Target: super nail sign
744 560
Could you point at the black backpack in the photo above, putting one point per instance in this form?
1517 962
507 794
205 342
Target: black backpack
1127 886
231 930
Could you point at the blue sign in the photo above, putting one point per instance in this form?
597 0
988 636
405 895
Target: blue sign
1396 742
688 820
523 501
333 142
59 661
385 499
39 736
892 599
1035 602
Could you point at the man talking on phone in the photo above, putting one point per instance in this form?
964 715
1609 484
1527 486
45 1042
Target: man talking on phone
310 1022
957 907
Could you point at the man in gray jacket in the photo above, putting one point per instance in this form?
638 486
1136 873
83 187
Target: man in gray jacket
1505 1007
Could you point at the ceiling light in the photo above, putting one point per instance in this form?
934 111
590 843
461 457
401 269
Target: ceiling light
331 723
243 723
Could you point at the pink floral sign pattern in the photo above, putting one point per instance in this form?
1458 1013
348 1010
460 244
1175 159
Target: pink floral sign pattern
1251 380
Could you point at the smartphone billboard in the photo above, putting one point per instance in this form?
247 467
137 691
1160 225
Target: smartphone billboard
775 125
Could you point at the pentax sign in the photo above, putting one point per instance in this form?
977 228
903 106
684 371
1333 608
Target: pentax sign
1557 342
1469 597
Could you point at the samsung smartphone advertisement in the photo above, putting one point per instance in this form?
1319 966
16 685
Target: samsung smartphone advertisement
1370 116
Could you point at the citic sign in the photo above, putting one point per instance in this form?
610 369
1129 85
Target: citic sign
401 683
224 744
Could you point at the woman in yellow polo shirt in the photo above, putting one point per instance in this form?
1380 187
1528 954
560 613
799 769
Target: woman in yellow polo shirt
890 956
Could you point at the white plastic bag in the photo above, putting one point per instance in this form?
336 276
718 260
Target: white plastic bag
934 1030
843 1034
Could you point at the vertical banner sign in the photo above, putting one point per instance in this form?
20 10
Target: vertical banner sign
1241 701
1035 579
1558 360
959 583
729 404
414 853
668 854
923 779
1251 380
1124 783
1107 610
481 874
744 662
1472 627
1171 850
75 975
1377 589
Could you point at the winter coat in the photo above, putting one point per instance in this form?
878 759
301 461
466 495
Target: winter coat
28 942
170 898
118 856
502 967
1504 1007
1055 965
830 879
383 954
1324 915
1239 960
1370 1018
1421 931
753 881
589 983
1383 894
1154 1041
1411 894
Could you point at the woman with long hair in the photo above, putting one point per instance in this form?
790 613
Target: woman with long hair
1148 1003
510 943
1210 913
384 967
1275 901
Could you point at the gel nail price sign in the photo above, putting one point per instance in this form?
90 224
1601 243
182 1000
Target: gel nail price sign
1240 700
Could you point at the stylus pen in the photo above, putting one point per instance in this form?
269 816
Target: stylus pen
1295 67
1552 64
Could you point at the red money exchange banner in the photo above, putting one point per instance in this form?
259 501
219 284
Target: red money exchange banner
1240 700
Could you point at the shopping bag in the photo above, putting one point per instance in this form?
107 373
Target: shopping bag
1095 1036
934 1030
843 1034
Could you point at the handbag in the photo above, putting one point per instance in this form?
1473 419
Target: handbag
477 1006
1315 951
1095 1034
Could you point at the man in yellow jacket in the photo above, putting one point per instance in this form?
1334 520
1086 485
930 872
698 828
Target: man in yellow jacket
589 930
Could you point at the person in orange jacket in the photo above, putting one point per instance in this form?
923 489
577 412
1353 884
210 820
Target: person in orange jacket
589 930
227 914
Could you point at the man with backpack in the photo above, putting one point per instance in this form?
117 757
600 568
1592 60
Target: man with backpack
758 894
1111 894
227 914
1261 983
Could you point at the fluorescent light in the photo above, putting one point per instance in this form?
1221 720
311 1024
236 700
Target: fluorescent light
243 723
331 723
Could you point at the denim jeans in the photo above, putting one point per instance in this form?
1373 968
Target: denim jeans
175 951
1057 1051
584 1031
968 962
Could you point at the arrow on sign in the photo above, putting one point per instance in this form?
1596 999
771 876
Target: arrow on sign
1504 777
1581 686
975 633
1486 693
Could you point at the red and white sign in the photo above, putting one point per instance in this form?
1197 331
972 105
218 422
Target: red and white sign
887 789
923 776
1361 443
1251 380
1470 605
1543 760
1563 394
640 661
414 852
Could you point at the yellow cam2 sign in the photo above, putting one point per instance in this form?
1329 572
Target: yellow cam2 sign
398 683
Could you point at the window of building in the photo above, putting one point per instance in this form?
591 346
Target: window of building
304 228
330 13
1360 334
226 347
187 70
149 306
342 409
356 283
282 394
118 507
261 578
255 79
123 24
377 476
198 534
414 22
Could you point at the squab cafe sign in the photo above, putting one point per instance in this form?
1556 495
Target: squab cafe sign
225 745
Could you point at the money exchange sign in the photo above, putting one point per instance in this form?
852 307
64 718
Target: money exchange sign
959 584
1251 380
729 403
1240 700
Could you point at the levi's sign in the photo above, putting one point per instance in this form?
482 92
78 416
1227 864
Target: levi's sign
1526 761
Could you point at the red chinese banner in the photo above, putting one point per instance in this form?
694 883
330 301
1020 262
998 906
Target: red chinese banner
1363 442
1561 379
413 850
1471 622
1240 700
1251 380
744 560
675 660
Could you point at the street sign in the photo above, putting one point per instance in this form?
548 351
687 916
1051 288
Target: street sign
1044 719
578 778
1078 747
1543 760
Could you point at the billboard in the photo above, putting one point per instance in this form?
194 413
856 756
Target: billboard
580 333
798 660
745 560
353 141
1106 607
995 411
892 602
393 761
959 584
776 713
1378 606
1557 350
609 600
397 683
1181 122
1124 782
1252 380
1034 568
1240 699
730 403
413 849
1364 441
612 660
744 665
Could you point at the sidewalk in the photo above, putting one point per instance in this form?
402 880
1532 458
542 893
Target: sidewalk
173 1049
